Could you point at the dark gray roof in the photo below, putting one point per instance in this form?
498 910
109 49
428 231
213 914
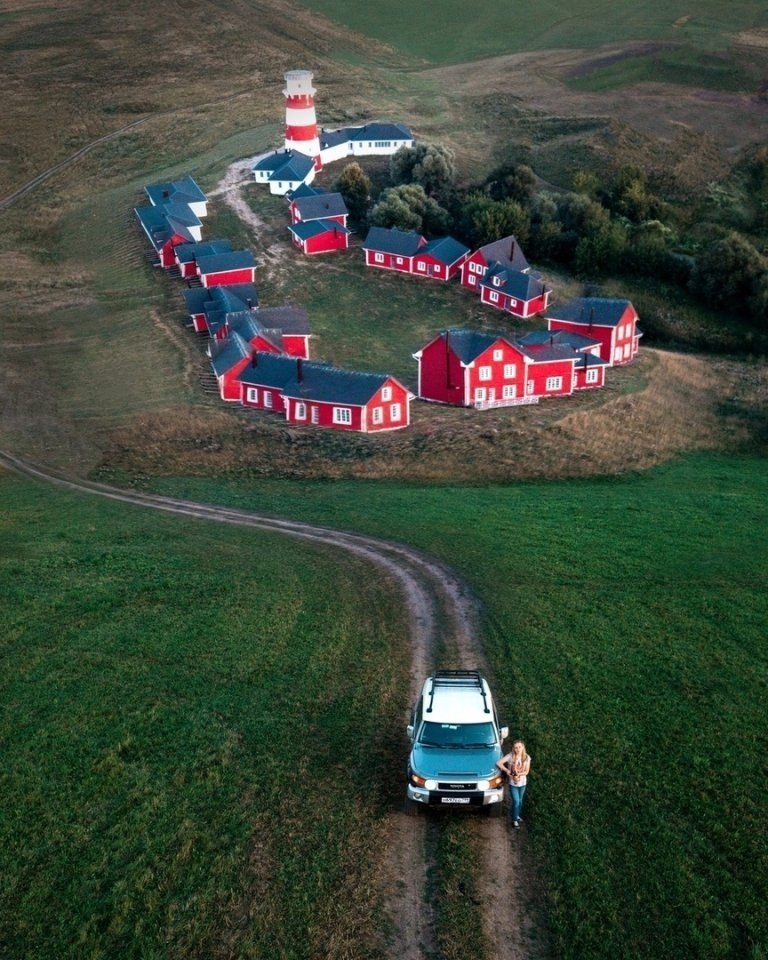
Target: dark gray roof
576 340
313 228
321 206
506 251
543 352
601 311
327 384
380 130
269 370
446 250
235 296
184 189
226 353
402 243
188 252
514 283
469 344
234 260
285 165
289 319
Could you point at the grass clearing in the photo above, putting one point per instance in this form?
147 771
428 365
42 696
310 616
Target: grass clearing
198 748
451 34
626 625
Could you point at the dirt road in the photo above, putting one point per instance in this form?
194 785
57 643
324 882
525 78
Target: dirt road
433 595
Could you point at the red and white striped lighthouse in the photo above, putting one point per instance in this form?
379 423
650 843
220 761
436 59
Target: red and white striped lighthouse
300 119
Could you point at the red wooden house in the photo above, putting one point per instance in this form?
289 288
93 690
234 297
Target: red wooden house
320 236
225 269
292 324
408 252
466 368
263 378
506 252
186 255
346 400
470 369
229 358
611 321
521 294
208 307
167 226
589 370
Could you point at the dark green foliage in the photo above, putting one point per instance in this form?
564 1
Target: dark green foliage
429 165
409 208
730 274
355 187
512 182
484 220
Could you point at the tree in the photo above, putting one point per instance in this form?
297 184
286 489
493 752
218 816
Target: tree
426 164
409 208
730 273
484 220
515 181
355 187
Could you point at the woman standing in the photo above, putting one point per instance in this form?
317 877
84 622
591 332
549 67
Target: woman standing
516 765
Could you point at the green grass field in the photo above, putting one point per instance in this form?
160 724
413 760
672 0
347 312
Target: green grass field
198 748
451 32
626 623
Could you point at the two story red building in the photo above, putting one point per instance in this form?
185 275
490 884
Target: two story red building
613 322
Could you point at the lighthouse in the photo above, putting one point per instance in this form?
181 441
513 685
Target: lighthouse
300 120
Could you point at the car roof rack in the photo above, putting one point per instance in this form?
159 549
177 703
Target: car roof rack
457 678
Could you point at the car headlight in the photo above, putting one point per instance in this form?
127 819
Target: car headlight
419 781
496 782
430 784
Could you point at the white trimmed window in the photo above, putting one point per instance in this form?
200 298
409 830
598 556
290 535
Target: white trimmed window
342 415
554 383
485 373
617 355
252 395
591 376
627 349
378 257
498 354
395 412
301 410
530 387
399 261
480 394
472 281
421 267
512 303
268 399
378 415
386 393
509 391
494 297
510 371
315 414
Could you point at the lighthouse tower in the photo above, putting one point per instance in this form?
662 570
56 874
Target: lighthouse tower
300 120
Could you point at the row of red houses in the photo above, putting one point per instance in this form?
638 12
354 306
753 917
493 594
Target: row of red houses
259 355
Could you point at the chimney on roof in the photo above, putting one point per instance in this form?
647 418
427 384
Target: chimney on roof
249 303
166 194
299 370
591 316
512 249
255 358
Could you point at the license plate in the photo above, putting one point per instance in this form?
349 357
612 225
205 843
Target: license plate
454 800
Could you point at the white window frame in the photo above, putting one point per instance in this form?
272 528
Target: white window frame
377 415
498 354
342 415
554 383
510 371
480 394
378 258
592 375
252 395
386 393
300 410
493 296
485 373
509 391
314 415
395 413
421 266
267 399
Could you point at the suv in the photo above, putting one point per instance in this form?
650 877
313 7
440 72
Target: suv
455 743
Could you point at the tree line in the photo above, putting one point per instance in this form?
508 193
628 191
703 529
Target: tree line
594 228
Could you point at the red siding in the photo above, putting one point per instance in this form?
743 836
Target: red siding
296 345
388 262
229 277
229 385
539 373
467 276
441 376
518 308
262 398
323 242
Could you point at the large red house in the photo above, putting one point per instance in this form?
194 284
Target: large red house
466 368
613 322
311 393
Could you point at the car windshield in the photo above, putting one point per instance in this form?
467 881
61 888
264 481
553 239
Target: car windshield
457 734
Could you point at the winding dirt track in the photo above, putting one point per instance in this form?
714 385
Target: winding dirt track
433 595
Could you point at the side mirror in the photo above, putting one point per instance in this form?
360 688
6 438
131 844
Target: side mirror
409 731
504 732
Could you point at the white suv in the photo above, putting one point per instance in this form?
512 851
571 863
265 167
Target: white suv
455 743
